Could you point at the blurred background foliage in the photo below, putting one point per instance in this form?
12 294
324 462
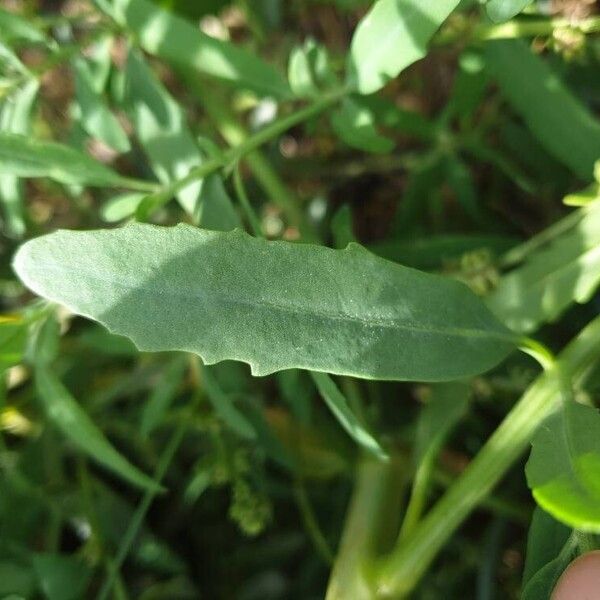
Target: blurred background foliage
447 176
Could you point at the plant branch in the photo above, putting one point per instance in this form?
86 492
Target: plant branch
402 569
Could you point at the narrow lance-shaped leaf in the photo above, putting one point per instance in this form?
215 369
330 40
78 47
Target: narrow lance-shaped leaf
341 410
563 470
24 157
393 35
94 114
224 407
180 42
15 117
562 124
274 305
73 422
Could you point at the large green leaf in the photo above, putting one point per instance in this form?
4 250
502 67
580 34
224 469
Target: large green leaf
274 305
562 124
24 157
393 35
563 470
564 271
178 41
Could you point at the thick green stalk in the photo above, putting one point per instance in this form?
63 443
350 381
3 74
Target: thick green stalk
378 488
399 572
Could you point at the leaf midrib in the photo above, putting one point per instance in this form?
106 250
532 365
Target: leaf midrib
294 310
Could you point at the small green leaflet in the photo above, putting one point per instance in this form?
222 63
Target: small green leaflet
562 124
24 157
564 271
274 305
546 542
393 35
74 423
341 410
356 126
502 10
94 114
14 28
309 72
13 337
179 42
563 470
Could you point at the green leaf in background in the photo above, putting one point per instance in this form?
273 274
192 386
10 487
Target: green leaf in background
24 157
309 71
432 252
502 10
163 394
339 407
274 305
73 422
447 405
14 28
355 125
159 124
13 337
550 548
223 405
121 206
15 117
181 43
563 470
61 577
16 581
562 124
94 115
393 35
564 271
545 540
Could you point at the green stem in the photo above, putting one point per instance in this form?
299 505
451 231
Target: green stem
519 253
311 524
377 490
418 494
402 569
244 201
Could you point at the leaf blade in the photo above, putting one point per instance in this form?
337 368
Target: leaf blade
74 423
392 35
267 303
